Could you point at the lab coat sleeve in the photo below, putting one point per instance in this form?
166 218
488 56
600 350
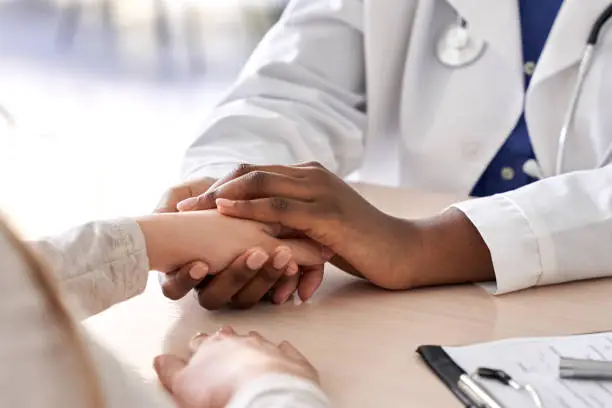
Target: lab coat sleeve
556 230
298 98
97 264
279 391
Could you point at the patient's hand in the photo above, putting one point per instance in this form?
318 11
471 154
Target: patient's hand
267 281
176 239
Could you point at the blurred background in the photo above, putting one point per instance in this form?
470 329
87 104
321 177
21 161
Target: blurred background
100 98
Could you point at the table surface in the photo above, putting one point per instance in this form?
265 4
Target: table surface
361 338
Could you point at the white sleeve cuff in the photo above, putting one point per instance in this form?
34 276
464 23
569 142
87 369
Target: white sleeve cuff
279 391
511 241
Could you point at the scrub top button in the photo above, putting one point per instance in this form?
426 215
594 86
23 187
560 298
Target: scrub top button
529 68
507 173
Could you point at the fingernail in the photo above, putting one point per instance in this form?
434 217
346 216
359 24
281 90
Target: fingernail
223 202
256 260
195 341
198 271
327 253
188 204
282 258
227 329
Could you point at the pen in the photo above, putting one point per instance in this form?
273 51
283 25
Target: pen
585 369
477 393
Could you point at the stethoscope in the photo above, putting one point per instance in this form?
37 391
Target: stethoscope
456 48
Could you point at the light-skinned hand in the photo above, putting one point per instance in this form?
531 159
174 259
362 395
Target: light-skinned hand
177 239
268 281
224 362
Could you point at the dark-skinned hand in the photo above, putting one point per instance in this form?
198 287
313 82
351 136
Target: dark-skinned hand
252 277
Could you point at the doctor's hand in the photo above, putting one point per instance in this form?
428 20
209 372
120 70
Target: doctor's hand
310 199
390 252
268 280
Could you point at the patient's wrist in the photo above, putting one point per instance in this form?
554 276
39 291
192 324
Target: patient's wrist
157 231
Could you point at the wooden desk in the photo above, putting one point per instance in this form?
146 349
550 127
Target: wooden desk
363 339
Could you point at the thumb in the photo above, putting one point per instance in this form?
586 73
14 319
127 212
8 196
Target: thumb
167 367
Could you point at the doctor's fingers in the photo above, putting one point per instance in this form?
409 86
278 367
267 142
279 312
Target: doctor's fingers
220 290
312 277
284 288
178 283
255 184
244 169
299 215
280 265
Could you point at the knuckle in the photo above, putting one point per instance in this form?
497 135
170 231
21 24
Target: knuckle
241 169
331 208
169 199
174 193
279 204
320 175
241 276
270 275
217 336
314 164
256 336
169 291
258 179
209 196
253 339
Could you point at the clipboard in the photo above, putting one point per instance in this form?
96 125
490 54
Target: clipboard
445 368
532 362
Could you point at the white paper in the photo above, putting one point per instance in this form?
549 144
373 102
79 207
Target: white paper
535 361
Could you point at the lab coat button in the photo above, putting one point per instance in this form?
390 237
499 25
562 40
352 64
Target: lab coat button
529 68
507 173
532 169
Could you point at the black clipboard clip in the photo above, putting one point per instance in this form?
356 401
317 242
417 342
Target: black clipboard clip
467 388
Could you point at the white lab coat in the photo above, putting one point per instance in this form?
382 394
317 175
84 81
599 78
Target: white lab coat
433 127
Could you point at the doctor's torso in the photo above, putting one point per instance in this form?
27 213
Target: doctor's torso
439 127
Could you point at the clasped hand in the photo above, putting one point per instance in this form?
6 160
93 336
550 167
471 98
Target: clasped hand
309 201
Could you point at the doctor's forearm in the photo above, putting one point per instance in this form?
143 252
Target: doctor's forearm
451 251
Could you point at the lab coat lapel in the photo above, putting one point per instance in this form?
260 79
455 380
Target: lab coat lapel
388 24
555 76
567 37
498 23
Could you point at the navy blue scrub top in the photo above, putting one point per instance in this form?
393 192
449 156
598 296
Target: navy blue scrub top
505 172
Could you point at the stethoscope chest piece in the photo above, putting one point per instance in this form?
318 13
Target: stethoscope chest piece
456 48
